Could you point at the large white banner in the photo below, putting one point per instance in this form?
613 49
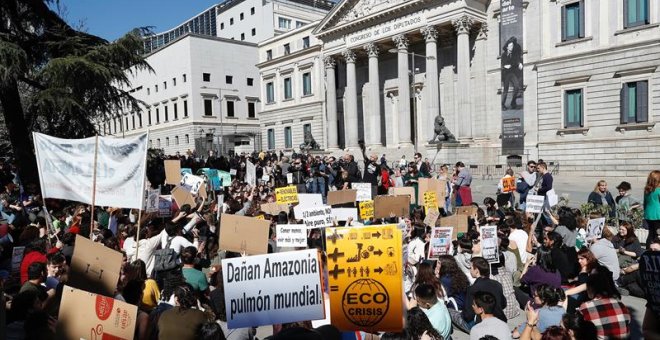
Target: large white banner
66 169
273 288
250 174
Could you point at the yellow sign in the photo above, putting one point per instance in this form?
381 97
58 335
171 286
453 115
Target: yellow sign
365 274
431 200
286 195
366 210
508 184
260 217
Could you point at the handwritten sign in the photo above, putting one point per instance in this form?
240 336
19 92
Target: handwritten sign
534 204
430 200
306 201
152 200
291 235
363 191
440 243
431 217
366 210
508 184
286 195
317 217
191 183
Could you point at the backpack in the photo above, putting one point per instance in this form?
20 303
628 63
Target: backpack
165 259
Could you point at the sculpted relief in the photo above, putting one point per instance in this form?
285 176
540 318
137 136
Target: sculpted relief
366 7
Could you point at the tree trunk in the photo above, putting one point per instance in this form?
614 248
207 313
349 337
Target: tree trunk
19 136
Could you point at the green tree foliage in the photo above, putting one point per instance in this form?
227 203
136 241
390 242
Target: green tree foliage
58 80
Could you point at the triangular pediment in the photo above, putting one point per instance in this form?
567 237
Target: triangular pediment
348 12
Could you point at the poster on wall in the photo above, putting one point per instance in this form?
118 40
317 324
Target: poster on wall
511 59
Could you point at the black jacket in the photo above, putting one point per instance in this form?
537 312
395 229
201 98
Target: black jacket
485 285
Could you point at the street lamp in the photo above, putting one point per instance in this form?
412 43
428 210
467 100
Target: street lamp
222 134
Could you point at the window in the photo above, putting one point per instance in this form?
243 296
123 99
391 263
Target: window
206 77
187 139
167 141
229 79
271 139
184 78
254 32
149 117
231 21
222 25
158 143
635 102
307 129
157 116
139 120
288 143
242 16
270 93
164 85
305 42
250 82
307 84
167 114
252 11
299 24
151 144
269 54
148 91
176 140
287 49
185 108
573 108
173 81
635 13
156 88
230 108
252 112
176 111
284 23
208 107
572 17
242 36
287 88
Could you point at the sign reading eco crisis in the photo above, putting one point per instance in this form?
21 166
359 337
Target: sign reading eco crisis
273 288
365 274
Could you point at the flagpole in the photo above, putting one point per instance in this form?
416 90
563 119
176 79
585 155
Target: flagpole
41 189
139 220
96 155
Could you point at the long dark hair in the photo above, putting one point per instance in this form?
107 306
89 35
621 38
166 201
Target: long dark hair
630 233
544 260
449 267
550 295
417 323
426 275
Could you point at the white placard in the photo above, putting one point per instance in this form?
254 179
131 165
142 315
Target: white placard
440 243
250 174
265 178
151 205
306 201
534 204
191 183
291 235
317 217
273 289
489 248
289 178
595 228
66 169
342 214
232 172
363 191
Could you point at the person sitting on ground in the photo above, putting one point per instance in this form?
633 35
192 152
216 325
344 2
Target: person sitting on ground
605 309
484 305
453 280
606 254
539 269
184 319
427 300
627 244
551 311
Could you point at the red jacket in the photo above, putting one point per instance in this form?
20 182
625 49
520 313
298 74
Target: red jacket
28 259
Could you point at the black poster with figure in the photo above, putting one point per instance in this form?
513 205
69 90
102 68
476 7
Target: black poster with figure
511 58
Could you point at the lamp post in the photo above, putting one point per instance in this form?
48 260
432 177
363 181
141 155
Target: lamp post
222 134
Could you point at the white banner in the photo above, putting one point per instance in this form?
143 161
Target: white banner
306 201
363 191
534 204
291 235
273 288
317 217
66 169
250 174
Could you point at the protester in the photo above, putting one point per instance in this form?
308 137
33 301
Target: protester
484 305
426 298
604 309
602 197
462 185
652 205
454 282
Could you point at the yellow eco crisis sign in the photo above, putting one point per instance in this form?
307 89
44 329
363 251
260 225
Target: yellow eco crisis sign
365 278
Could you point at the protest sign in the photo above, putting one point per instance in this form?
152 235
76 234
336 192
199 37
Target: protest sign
85 315
595 227
265 178
649 271
289 178
16 259
165 206
291 235
458 221
66 169
244 234
94 267
213 177
232 172
225 178
286 195
152 200
469 210
172 171
185 171
534 204
342 196
250 174
182 197
440 243
508 184
431 184
489 249
274 208
431 217
363 191
366 210
431 200
317 217
306 201
364 276
191 183
386 205
273 289
343 214
403 191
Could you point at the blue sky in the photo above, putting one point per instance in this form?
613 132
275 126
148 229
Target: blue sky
110 19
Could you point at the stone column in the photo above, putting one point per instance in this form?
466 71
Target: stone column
372 124
405 138
351 103
479 88
331 103
432 84
462 26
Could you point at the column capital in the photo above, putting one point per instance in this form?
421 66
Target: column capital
349 55
329 62
430 33
372 50
483 32
401 41
463 24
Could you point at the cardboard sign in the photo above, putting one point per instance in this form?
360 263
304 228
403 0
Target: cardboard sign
468 211
458 221
17 254
534 204
291 235
306 201
508 184
225 178
274 208
94 267
431 184
363 191
286 195
273 289
165 206
489 249
182 197
151 205
649 270
403 191
365 274
386 205
244 234
343 214
317 217
595 228
85 315
440 243
431 200
342 196
431 217
250 174
191 183
366 210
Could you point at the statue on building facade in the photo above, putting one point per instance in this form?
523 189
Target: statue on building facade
309 143
441 132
